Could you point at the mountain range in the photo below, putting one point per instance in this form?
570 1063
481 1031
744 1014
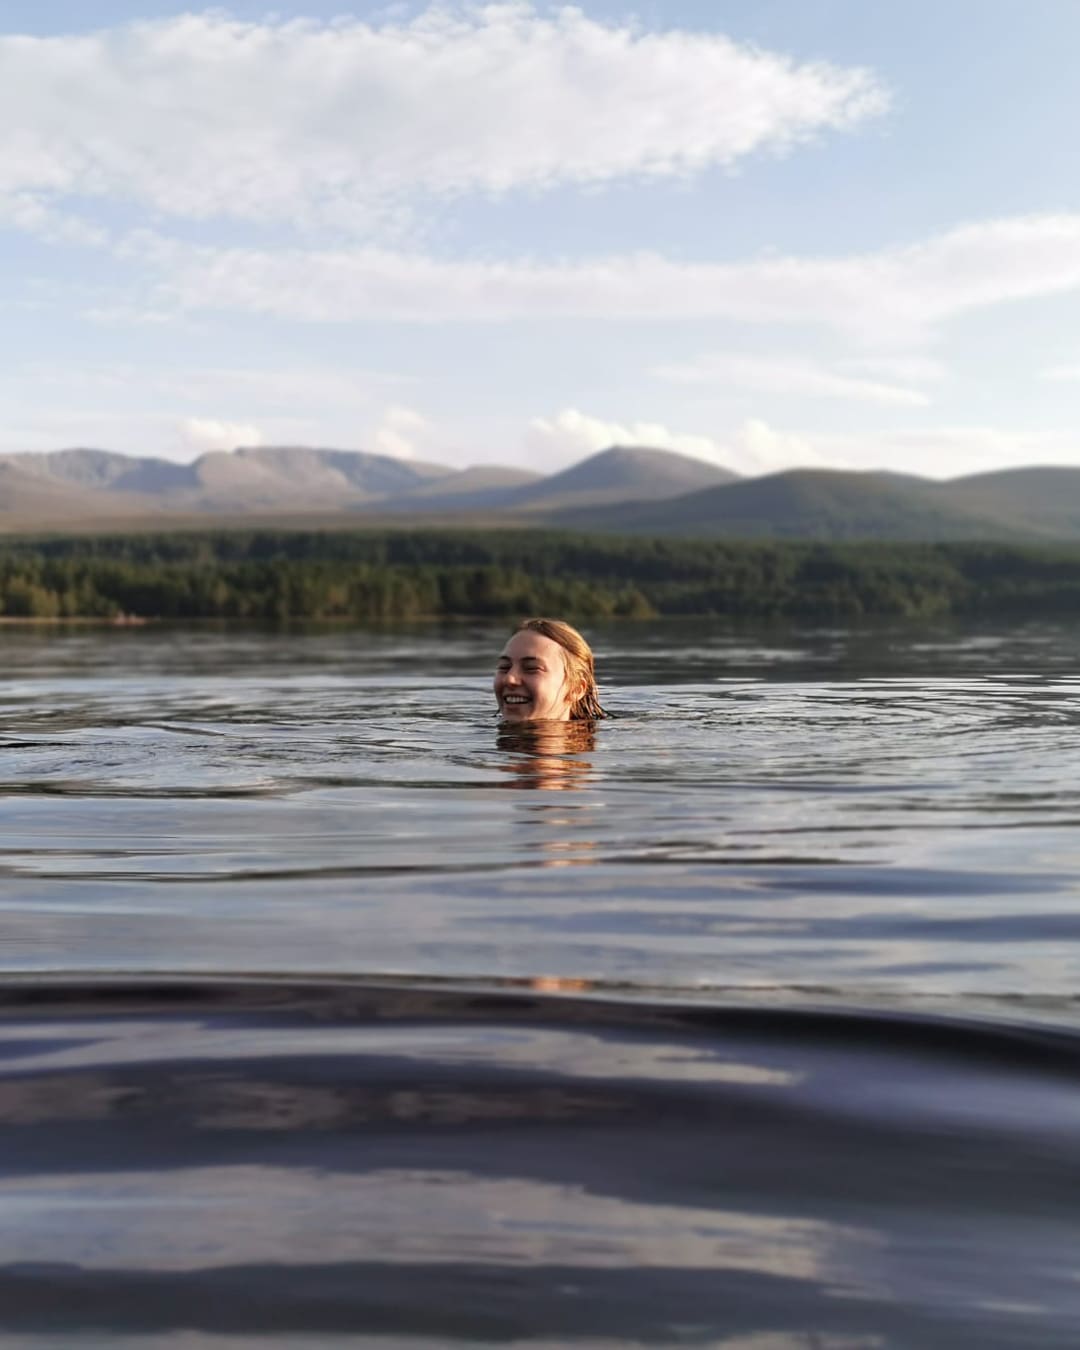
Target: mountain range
624 488
94 487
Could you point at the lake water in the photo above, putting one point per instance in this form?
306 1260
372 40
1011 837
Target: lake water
332 1013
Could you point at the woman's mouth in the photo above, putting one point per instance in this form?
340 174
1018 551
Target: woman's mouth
512 700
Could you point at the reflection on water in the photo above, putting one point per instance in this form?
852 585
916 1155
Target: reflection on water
817 814
474 1168
747 1018
546 755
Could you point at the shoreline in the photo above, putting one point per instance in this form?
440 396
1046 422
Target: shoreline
36 621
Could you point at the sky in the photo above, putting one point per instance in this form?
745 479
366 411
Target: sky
769 233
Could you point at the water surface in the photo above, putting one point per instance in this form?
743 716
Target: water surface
746 1018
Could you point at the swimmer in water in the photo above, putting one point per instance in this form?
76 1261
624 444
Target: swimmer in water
545 674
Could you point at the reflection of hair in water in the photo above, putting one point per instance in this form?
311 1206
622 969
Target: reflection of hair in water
578 658
546 738
542 753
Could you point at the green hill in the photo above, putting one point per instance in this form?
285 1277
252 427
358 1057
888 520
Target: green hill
629 489
1038 501
619 474
810 504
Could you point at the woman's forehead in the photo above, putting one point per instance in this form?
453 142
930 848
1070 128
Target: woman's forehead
528 643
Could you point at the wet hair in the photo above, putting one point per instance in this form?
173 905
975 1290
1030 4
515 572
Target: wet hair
578 661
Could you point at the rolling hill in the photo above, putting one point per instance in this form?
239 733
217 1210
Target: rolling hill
483 487
821 504
620 474
28 496
624 488
1042 500
98 484
104 470
296 478
276 481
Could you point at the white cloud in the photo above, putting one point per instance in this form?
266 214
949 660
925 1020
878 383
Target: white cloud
757 447
400 432
203 116
208 433
1067 374
754 448
892 296
26 211
949 451
761 448
787 376
572 434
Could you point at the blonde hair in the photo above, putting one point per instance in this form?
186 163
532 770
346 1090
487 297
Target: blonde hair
578 661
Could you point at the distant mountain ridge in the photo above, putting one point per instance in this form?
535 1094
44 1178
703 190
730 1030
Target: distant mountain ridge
624 488
99 484
807 504
619 474
68 485
834 504
104 469
622 473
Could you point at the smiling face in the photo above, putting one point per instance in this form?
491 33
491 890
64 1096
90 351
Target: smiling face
531 684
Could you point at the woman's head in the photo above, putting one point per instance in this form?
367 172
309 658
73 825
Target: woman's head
545 673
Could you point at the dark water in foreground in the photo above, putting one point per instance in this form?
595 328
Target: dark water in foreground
330 1014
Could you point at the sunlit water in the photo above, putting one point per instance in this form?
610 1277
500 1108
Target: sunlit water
749 1018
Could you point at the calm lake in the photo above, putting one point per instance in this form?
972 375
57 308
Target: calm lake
333 1013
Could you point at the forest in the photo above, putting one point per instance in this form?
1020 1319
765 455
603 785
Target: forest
378 575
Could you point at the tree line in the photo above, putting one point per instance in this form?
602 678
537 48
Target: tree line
368 575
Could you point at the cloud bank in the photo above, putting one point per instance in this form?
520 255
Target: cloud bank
202 116
200 434
401 432
754 448
887 297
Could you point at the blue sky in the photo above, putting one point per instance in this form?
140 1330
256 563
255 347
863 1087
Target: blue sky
767 233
